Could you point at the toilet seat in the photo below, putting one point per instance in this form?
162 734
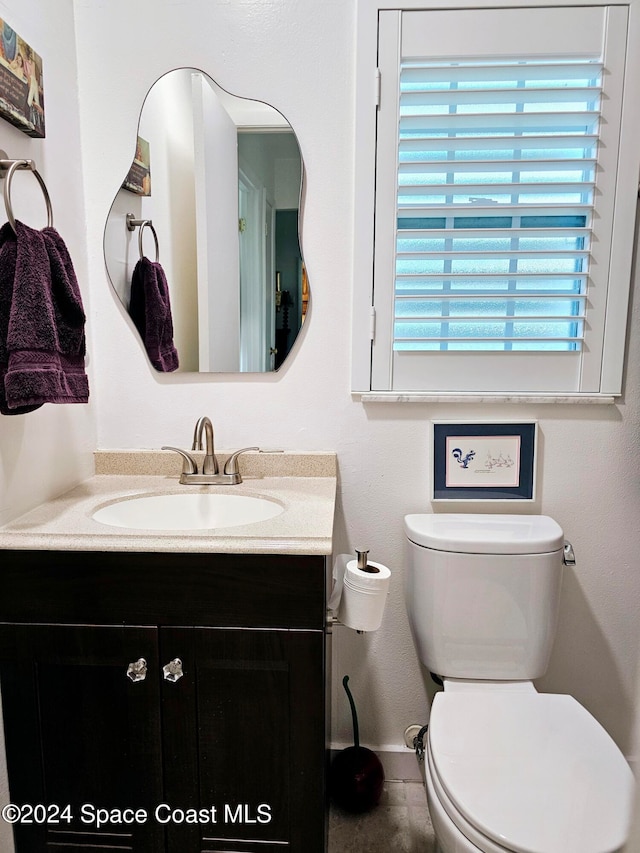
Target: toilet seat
529 773
447 821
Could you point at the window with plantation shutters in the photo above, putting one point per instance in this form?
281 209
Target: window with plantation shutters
499 180
496 177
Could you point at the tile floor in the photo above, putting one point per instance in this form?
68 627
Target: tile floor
400 823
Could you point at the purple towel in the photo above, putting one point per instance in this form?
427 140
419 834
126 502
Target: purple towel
42 343
150 310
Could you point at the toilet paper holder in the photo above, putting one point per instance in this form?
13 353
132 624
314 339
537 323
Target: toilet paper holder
358 597
332 620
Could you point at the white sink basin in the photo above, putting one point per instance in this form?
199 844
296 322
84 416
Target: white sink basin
187 511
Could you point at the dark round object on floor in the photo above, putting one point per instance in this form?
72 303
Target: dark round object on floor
356 779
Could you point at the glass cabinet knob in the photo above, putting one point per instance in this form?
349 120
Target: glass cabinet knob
173 670
137 671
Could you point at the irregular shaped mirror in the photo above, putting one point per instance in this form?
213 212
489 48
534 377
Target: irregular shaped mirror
201 242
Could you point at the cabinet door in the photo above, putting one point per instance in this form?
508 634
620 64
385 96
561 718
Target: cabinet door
244 740
80 733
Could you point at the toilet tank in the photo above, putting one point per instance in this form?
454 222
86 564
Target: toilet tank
482 593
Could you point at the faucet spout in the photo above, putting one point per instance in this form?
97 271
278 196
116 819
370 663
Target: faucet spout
210 463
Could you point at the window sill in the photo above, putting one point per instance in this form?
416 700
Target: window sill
424 397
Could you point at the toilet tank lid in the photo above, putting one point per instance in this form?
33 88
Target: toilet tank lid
485 533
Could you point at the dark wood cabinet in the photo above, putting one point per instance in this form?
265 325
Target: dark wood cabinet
225 751
78 734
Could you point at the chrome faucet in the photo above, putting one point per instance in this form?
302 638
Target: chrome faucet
210 475
210 463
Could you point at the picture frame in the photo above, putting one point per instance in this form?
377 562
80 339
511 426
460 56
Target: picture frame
478 461
21 83
138 178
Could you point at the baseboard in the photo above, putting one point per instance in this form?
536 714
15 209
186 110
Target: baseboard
400 763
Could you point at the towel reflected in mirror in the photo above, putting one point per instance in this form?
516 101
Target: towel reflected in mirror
150 310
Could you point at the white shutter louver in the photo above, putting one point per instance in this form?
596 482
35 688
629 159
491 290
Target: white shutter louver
496 175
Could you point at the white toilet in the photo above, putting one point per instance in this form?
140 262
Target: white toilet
508 769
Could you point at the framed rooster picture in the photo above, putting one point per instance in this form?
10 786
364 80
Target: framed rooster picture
484 461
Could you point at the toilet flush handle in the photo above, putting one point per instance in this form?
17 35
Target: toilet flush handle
568 556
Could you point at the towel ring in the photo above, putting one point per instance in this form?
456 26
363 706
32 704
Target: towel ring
7 169
133 223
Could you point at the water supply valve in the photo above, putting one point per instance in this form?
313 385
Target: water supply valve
418 743
413 737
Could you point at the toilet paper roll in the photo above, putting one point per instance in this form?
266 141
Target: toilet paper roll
364 596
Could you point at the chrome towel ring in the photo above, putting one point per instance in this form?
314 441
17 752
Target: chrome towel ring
133 223
7 169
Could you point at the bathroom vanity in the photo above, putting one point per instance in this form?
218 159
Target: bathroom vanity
169 697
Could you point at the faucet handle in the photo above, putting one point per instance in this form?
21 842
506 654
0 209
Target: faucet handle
231 465
188 462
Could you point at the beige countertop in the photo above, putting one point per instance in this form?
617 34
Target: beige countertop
306 491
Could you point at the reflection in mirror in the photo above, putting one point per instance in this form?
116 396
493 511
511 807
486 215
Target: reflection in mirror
215 186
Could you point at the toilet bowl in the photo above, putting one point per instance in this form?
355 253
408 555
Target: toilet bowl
516 770
507 769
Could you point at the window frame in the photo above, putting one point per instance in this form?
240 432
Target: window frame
367 98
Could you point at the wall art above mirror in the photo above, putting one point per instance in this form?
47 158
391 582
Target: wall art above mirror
219 283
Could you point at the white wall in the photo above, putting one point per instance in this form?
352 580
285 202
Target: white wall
47 451
299 56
